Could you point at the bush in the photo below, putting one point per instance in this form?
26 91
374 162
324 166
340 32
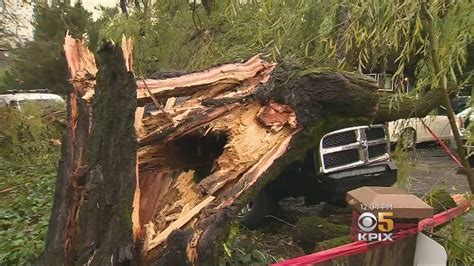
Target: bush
26 197
28 163
27 135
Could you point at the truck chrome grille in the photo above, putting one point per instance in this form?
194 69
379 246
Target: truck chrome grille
353 147
341 158
377 150
374 133
344 138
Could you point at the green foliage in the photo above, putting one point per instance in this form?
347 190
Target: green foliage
457 240
27 176
454 236
171 37
175 35
240 251
440 200
26 199
39 64
27 135
350 34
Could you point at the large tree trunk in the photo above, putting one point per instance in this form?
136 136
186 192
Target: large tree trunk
90 222
198 159
212 155
104 232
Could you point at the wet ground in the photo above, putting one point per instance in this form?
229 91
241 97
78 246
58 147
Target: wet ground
430 167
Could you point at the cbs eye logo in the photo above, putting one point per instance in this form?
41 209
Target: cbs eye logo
368 222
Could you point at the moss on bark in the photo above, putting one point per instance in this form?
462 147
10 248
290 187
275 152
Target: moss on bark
104 223
313 229
440 200
333 242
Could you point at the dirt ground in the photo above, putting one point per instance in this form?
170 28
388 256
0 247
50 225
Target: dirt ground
429 168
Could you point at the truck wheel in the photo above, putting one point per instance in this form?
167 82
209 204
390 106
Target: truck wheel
253 214
407 140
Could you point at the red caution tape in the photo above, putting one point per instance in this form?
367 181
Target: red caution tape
362 246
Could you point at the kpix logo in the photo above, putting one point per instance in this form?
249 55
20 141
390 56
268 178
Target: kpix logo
368 222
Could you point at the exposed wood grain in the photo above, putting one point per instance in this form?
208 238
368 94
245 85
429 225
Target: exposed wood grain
228 74
178 223
62 229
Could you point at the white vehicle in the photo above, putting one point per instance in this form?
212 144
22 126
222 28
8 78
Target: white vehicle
17 100
412 131
464 120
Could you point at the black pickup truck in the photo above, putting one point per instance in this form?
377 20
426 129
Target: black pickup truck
343 160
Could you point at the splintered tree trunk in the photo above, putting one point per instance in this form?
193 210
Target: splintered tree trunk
91 219
162 185
241 124
104 233
69 186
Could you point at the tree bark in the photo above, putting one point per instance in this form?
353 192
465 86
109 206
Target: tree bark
104 217
69 185
392 107
91 218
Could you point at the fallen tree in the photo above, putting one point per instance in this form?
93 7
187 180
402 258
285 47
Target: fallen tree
143 183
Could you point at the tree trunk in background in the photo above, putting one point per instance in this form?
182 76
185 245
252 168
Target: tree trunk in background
123 7
443 84
404 106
